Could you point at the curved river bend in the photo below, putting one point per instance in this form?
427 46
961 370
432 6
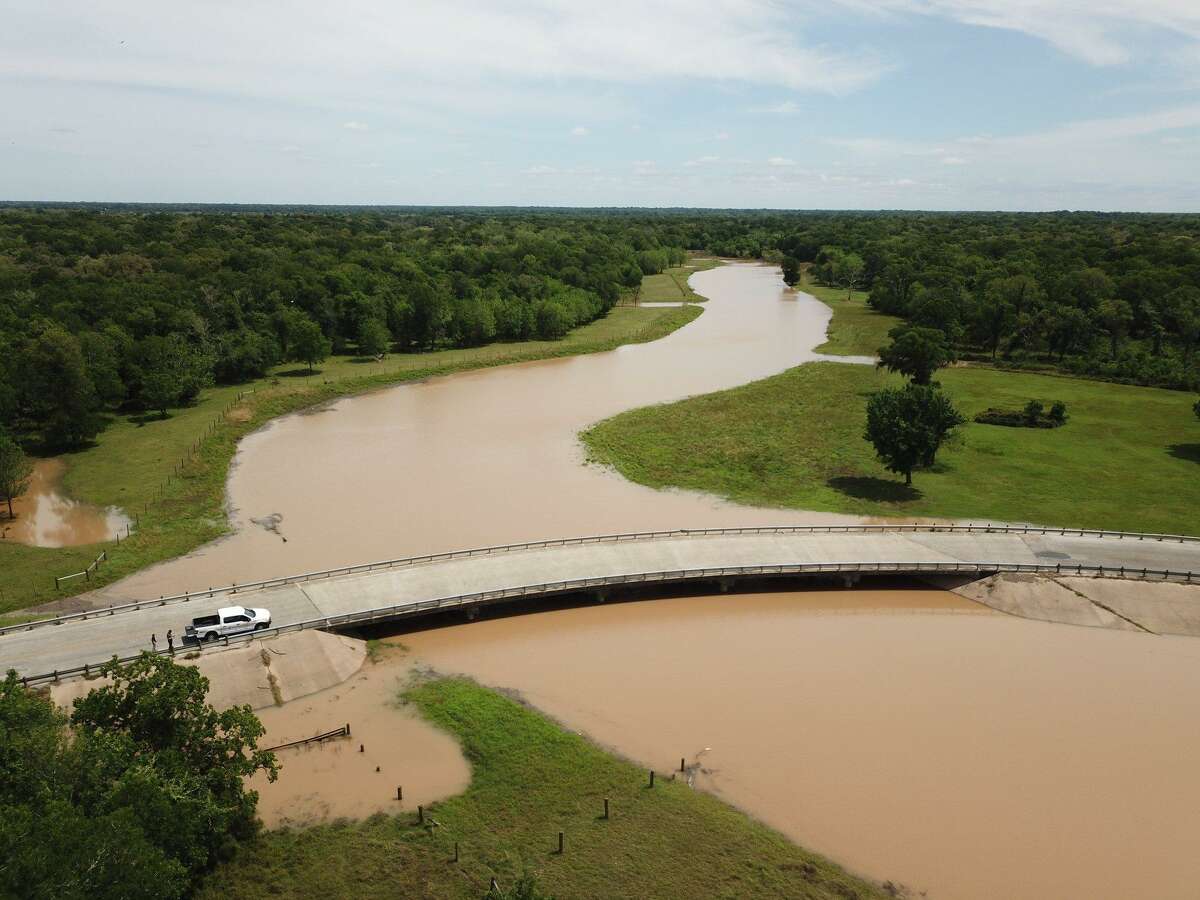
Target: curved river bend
492 456
961 752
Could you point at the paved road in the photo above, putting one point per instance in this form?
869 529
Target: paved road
71 644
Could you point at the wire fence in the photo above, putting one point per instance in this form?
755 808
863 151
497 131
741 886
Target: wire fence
677 576
177 471
404 562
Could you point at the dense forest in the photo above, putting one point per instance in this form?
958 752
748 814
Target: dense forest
1115 297
138 308
141 310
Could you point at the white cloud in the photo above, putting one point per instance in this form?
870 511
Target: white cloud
721 136
579 131
360 51
540 170
784 108
953 161
702 161
780 161
1101 32
355 126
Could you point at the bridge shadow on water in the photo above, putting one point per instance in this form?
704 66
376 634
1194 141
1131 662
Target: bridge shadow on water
504 609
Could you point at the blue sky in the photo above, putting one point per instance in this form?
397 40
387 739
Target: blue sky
846 104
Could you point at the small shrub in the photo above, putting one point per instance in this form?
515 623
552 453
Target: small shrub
1033 415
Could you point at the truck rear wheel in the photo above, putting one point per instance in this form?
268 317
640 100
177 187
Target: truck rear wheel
260 626
210 637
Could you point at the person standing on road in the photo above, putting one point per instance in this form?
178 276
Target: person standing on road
171 641
153 643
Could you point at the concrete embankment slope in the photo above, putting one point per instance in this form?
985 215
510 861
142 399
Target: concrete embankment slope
266 673
1154 607
56 647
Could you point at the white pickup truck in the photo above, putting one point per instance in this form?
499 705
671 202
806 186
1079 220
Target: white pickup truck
227 621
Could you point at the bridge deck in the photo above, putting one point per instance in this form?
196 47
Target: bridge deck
73 643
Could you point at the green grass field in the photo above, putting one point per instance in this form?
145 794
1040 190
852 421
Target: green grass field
130 463
671 285
856 329
1129 458
530 780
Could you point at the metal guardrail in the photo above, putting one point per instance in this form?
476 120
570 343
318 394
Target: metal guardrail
404 562
406 610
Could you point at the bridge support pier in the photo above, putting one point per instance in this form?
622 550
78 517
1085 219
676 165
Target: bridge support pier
472 613
725 585
851 580
599 595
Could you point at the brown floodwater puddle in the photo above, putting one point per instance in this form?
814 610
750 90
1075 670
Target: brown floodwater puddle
492 456
909 735
330 780
46 517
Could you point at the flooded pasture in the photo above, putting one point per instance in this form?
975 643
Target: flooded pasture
46 517
334 779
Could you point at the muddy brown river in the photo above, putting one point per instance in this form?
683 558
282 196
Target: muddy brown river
908 735
493 457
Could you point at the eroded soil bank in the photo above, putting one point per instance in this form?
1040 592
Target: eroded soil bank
909 735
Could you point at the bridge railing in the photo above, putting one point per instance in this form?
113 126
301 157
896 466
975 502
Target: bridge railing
407 610
403 562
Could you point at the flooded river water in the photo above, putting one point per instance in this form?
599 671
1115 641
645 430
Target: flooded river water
909 735
492 457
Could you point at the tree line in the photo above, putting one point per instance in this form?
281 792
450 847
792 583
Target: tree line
139 311
1115 297
139 308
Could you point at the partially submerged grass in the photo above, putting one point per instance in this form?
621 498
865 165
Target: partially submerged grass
131 462
1128 457
530 780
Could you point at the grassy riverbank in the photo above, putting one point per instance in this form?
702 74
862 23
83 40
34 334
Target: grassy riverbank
855 329
671 285
1128 458
131 462
530 780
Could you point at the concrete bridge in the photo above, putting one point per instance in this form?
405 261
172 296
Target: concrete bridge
402 588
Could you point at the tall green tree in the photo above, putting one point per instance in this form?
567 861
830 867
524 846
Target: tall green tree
916 352
140 790
847 270
54 388
308 343
373 337
16 469
175 371
791 270
908 425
